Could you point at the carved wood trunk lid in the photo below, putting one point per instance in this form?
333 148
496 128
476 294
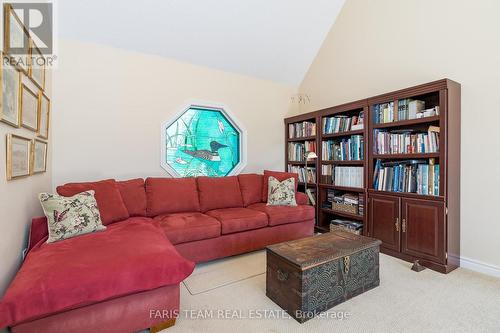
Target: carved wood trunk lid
312 251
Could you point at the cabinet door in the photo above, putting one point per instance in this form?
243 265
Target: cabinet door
423 229
384 220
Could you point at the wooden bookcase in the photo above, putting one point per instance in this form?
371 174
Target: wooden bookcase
411 226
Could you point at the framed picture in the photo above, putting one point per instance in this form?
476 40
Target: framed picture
43 116
39 156
37 65
16 37
29 108
10 94
18 156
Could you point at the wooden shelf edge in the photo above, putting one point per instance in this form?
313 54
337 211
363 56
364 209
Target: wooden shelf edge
415 156
344 214
342 188
408 195
306 138
407 122
348 162
339 134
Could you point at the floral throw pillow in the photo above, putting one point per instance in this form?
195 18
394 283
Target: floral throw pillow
281 193
70 216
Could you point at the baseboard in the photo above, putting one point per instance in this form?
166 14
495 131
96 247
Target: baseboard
481 267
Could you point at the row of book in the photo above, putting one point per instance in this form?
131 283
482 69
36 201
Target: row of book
406 141
342 175
407 109
414 176
297 150
301 130
339 124
305 176
348 149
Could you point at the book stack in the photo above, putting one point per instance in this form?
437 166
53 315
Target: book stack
348 176
361 204
413 176
383 113
339 124
346 225
309 174
301 130
326 174
296 150
349 149
406 141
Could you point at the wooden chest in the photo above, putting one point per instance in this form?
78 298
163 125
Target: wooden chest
313 274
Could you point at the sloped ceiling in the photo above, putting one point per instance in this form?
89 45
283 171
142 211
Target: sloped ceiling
270 39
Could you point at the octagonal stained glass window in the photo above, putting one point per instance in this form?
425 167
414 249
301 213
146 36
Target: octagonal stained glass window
202 141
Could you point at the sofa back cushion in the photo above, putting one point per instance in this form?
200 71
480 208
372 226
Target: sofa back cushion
108 197
251 188
171 195
280 176
134 196
216 193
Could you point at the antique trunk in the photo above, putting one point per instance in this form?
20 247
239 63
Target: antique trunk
313 274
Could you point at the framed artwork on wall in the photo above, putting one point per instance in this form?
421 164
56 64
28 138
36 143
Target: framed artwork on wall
38 67
29 108
39 156
11 88
18 156
43 116
203 141
16 37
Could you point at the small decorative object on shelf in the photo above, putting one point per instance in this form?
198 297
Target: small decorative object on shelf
346 225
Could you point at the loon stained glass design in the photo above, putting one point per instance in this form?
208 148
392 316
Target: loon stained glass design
202 141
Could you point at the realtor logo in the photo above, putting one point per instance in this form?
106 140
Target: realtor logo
28 24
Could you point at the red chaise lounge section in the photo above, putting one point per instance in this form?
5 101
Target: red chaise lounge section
111 280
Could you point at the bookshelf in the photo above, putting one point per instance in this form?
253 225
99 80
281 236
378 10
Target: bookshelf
342 148
413 136
295 133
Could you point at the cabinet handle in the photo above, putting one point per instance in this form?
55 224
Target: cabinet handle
404 225
397 224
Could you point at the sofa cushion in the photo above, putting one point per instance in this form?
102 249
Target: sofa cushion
285 214
134 196
107 195
171 195
251 188
216 193
280 176
238 219
188 227
281 193
128 257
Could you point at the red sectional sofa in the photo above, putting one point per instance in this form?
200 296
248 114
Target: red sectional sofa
156 230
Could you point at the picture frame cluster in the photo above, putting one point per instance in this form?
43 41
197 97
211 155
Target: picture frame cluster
23 100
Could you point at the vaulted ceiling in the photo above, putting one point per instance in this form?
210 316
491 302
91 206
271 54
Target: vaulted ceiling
270 39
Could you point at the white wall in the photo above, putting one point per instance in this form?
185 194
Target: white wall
384 45
18 202
112 103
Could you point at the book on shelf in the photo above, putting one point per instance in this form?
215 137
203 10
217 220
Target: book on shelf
297 150
301 130
347 149
406 141
383 113
348 176
411 176
305 176
343 123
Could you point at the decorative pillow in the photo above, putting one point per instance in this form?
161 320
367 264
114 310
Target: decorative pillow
70 216
281 193
279 175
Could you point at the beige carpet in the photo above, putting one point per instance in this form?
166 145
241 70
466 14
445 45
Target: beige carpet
405 301
220 273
